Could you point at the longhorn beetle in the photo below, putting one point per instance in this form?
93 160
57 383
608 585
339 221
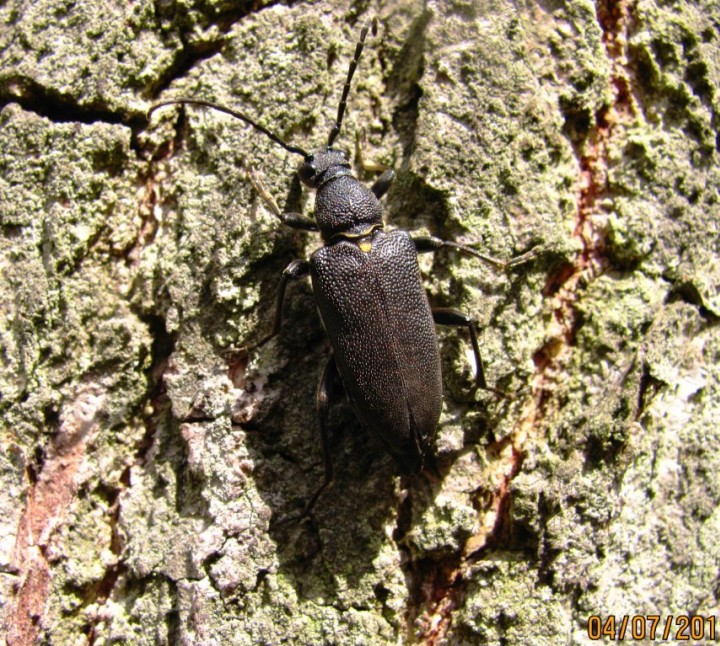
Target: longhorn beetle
368 290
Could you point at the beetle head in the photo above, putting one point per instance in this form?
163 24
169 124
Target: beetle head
323 164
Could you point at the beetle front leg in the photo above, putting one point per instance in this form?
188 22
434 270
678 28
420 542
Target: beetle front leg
293 220
424 244
296 270
382 183
448 316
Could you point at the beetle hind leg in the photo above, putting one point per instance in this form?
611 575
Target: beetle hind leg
325 392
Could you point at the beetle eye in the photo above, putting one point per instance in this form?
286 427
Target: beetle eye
306 171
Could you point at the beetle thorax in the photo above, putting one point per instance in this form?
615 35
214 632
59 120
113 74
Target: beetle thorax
343 206
346 208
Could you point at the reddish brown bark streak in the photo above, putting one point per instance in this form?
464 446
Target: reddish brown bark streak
47 505
564 287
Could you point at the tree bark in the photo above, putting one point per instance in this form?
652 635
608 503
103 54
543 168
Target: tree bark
148 461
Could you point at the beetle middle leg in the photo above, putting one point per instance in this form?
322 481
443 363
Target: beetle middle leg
431 243
296 270
448 316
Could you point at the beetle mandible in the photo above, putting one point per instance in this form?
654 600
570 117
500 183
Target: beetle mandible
369 293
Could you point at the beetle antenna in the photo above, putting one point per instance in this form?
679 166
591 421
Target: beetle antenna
353 65
233 113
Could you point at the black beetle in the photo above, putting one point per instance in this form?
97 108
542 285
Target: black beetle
371 299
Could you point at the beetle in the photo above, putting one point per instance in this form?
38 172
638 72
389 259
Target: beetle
368 290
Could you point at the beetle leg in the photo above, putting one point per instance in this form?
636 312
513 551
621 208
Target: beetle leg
296 270
382 183
366 165
448 316
431 243
293 220
326 388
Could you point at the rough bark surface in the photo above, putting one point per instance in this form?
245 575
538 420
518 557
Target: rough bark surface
144 466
